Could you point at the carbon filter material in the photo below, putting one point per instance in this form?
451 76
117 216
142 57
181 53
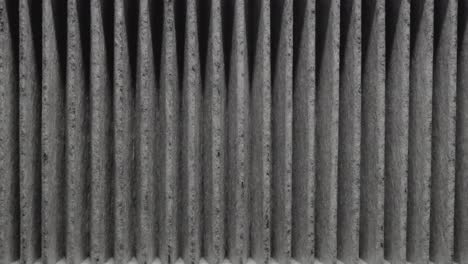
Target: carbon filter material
235 131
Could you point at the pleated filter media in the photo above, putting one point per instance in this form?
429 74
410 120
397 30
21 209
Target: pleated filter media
233 131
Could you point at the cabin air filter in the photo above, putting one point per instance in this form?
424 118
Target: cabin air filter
234 131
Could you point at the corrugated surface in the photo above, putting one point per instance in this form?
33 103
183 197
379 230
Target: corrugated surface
210 131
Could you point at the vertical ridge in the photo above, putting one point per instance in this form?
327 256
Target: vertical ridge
123 145
261 158
349 137
339 134
443 132
238 138
53 142
282 136
29 141
145 146
191 141
327 96
101 224
76 155
9 198
373 131
304 124
169 111
214 139
420 116
396 125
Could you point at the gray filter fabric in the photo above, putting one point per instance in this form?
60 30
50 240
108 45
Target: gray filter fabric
235 131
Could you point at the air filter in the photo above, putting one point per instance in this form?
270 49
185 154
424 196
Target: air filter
233 131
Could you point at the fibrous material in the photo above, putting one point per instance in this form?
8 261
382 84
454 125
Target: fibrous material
233 131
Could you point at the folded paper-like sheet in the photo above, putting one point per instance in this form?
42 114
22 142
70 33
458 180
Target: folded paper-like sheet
233 131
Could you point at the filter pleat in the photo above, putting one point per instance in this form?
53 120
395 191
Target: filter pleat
233 131
420 128
29 131
373 131
145 138
261 137
169 141
443 132
53 133
76 138
327 98
397 21
214 139
101 143
349 149
237 123
9 182
190 187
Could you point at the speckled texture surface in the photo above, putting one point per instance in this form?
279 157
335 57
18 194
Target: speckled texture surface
169 138
372 131
420 128
190 189
9 181
349 149
29 127
53 191
101 143
237 127
77 157
261 140
282 133
443 131
214 139
233 131
304 125
396 130
327 103
145 138
123 116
